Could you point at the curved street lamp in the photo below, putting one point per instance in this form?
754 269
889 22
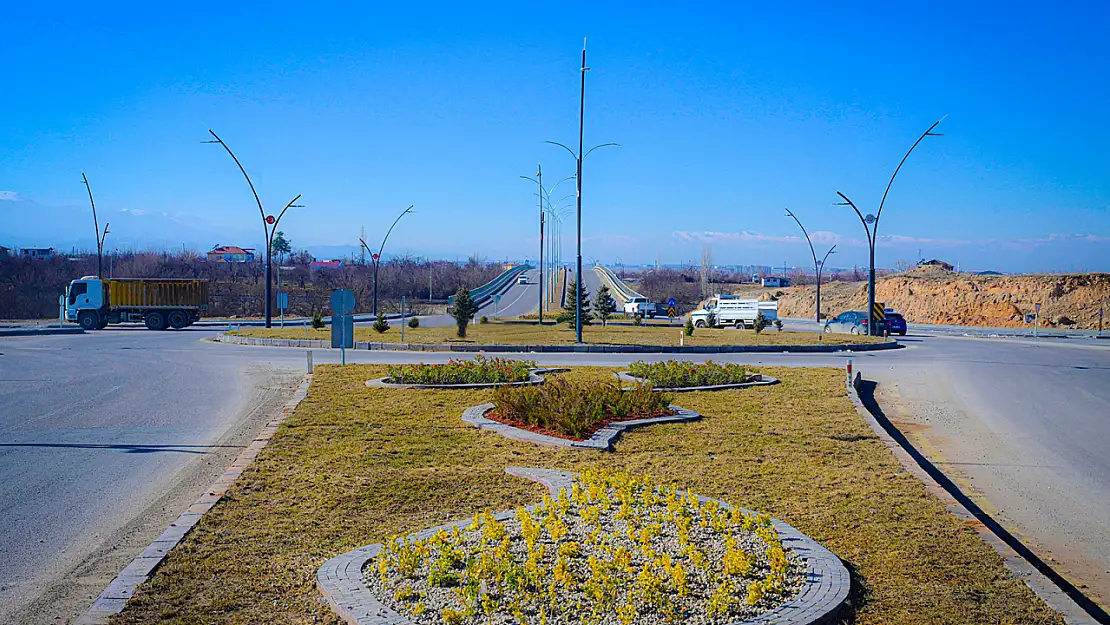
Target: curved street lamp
377 257
871 227
269 226
818 265
100 236
544 195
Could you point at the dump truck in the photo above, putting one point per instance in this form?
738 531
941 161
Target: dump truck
159 303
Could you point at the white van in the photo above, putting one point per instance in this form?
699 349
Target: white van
730 310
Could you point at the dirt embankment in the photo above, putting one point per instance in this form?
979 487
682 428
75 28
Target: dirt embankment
1067 300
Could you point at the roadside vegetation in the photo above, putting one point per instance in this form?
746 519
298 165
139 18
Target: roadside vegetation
479 370
523 333
355 465
575 409
682 374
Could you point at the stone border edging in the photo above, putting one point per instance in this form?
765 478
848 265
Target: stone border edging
39 331
764 380
566 348
113 599
602 439
534 378
339 580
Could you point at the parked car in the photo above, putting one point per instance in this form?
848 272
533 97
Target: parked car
895 322
851 322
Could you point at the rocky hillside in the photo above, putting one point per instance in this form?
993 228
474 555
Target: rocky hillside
937 296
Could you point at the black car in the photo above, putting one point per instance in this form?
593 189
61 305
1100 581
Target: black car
895 323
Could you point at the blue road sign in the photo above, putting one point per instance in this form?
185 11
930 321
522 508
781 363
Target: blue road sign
672 302
342 301
282 301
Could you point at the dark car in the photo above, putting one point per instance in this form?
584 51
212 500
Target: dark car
895 322
851 322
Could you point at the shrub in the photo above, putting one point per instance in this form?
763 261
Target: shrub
760 323
710 319
317 320
484 320
680 374
778 324
480 370
637 320
689 327
576 409
463 311
414 323
381 325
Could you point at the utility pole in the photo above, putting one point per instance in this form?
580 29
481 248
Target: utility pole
818 265
376 257
96 230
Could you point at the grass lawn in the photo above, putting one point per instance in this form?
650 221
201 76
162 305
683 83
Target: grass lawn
355 465
523 333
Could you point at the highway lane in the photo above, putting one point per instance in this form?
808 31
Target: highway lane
1022 425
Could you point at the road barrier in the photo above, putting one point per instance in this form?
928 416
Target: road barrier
483 293
621 291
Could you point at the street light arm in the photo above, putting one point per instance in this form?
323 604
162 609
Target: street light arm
603 145
572 152
863 221
292 204
811 251
251 184
386 238
96 224
927 133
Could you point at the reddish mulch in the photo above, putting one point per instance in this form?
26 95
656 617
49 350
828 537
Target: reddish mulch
494 415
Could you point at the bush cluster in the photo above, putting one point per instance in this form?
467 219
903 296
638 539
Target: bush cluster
481 370
576 409
680 374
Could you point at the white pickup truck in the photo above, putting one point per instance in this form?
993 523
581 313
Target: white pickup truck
639 307
731 310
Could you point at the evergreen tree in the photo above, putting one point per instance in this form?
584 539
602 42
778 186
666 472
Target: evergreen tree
464 310
604 304
281 246
573 293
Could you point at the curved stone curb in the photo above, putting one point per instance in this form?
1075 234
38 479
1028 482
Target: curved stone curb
764 380
339 580
567 348
534 378
602 439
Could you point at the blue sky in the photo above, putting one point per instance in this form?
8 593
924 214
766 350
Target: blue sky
725 114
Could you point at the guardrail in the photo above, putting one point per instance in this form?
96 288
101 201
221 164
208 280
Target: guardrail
621 291
483 293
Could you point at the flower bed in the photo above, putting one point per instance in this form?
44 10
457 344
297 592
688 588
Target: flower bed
680 374
480 370
616 549
575 409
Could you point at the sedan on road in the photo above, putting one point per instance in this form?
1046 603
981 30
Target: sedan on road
851 322
895 323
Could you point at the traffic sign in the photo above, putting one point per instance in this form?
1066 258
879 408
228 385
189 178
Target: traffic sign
342 301
671 312
270 219
880 311
672 302
282 301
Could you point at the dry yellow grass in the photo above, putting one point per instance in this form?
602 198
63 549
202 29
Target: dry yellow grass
355 465
523 333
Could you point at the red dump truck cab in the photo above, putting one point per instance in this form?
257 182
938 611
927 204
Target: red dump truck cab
159 303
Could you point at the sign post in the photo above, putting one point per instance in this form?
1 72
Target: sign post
496 303
671 304
403 319
1036 318
342 323
283 303
62 312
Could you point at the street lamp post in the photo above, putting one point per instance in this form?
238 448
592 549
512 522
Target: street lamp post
377 257
100 236
269 227
544 195
871 227
578 156
817 264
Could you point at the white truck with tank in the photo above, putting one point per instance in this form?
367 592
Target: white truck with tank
731 310
160 303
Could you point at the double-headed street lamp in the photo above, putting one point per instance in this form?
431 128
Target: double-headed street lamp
269 226
376 257
871 226
544 195
578 156
818 265
100 236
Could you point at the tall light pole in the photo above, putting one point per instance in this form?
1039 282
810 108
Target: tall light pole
578 156
269 226
871 227
100 236
817 264
543 195
376 257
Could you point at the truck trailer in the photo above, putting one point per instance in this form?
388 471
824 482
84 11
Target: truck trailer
160 303
731 310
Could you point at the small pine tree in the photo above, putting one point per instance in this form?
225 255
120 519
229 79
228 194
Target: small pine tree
317 320
760 323
381 325
414 323
778 324
689 327
573 293
604 305
464 310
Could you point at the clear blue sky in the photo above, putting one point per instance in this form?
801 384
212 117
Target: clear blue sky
726 113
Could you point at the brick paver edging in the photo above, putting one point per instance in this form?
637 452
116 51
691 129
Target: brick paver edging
818 603
534 377
602 439
567 348
764 380
113 599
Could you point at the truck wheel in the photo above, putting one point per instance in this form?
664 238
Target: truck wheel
155 321
178 319
102 324
699 324
88 320
739 325
639 316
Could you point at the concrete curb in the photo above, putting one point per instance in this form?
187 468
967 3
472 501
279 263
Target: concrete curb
113 599
534 378
601 440
39 331
764 380
568 348
1020 567
339 580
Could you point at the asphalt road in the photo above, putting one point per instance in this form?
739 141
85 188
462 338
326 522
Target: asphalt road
97 429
